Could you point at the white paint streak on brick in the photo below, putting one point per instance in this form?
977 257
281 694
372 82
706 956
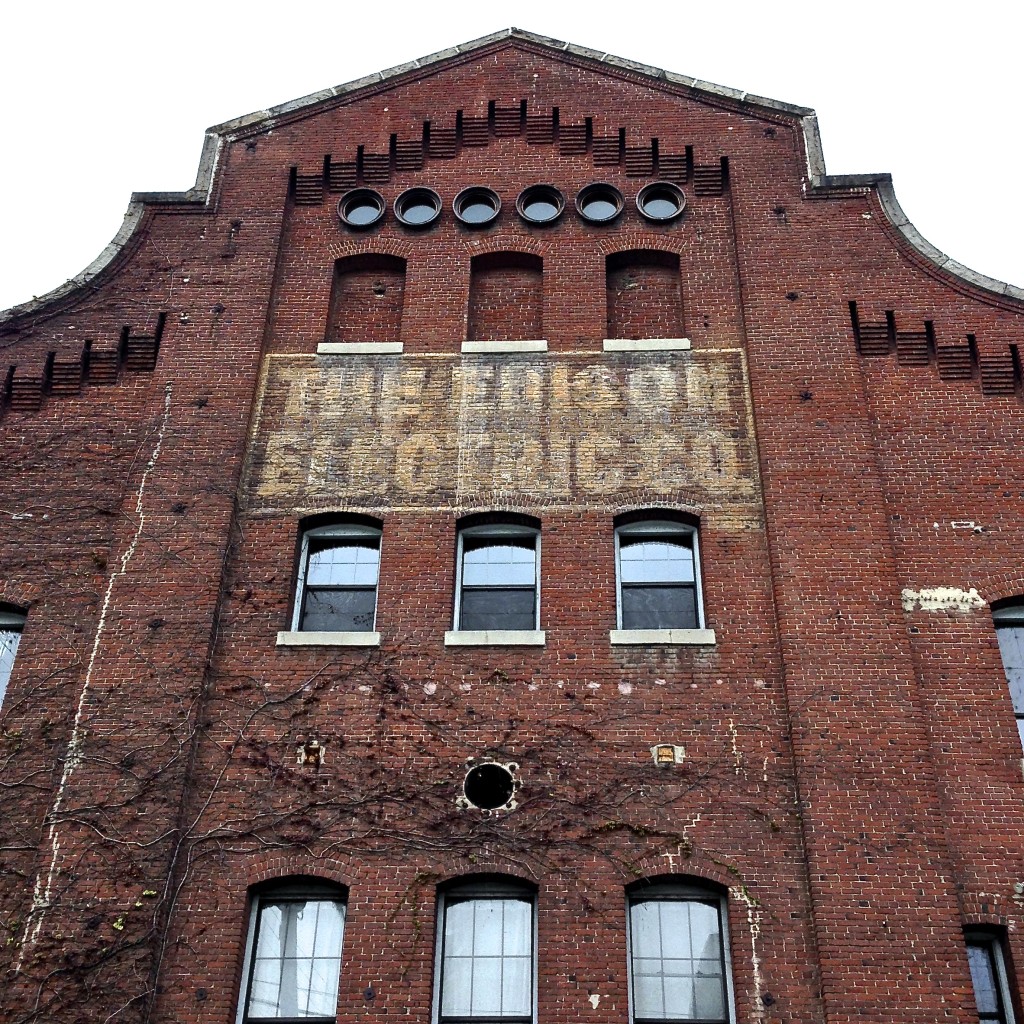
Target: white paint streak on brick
942 599
43 889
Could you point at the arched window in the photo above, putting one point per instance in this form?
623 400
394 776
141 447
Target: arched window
1009 622
644 295
498 575
678 954
366 299
337 583
293 953
506 297
658 574
12 622
486 965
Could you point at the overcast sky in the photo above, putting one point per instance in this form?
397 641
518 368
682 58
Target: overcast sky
106 98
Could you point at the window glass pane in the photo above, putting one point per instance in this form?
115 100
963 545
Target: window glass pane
709 996
518 927
648 991
659 560
678 996
516 987
343 562
8 648
458 928
1011 647
490 563
656 607
457 987
487 927
983 974
646 925
486 986
341 610
498 609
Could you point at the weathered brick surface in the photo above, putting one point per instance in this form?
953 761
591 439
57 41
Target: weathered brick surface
852 770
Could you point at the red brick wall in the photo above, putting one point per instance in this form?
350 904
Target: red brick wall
506 297
644 299
366 299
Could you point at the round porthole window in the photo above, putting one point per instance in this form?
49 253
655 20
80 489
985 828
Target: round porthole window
540 204
661 201
361 208
477 206
418 207
490 786
599 203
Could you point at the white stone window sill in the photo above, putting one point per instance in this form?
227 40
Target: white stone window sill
494 638
684 637
646 344
313 638
502 347
359 348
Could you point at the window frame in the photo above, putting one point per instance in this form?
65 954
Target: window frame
498 529
992 943
294 891
654 526
681 891
12 623
311 537
1009 615
482 889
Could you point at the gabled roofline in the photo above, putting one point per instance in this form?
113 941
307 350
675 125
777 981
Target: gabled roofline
217 136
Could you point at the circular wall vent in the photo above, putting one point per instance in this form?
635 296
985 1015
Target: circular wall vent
599 203
477 206
361 208
661 201
540 204
491 786
418 207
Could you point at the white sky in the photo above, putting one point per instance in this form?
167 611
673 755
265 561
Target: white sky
109 97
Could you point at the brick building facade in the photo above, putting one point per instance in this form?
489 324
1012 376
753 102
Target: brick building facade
516 542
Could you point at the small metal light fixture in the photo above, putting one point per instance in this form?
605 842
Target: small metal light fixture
600 203
540 204
361 208
310 753
666 754
661 201
477 206
418 207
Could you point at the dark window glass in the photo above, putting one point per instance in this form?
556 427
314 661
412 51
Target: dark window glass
677 959
1009 622
339 582
11 624
295 959
498 581
657 577
486 964
990 997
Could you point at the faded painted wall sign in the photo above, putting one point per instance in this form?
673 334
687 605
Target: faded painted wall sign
430 430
